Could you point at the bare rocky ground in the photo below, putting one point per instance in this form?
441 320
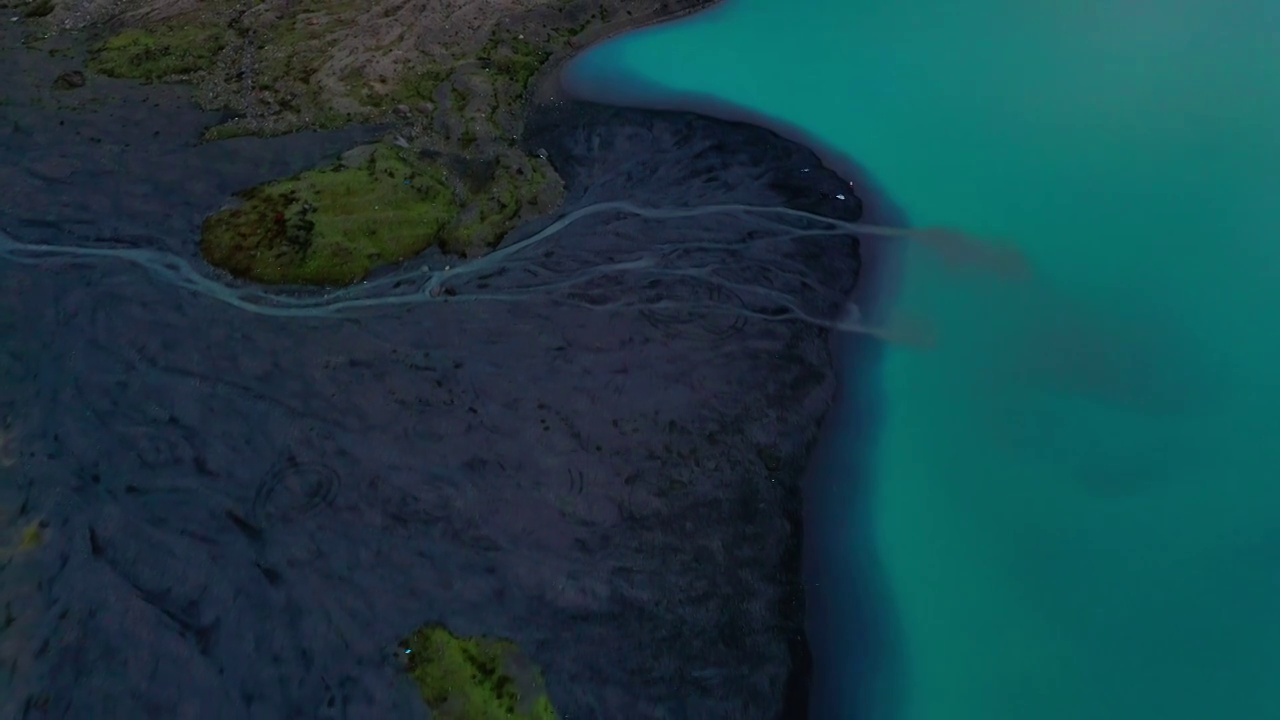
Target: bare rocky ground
212 513
438 65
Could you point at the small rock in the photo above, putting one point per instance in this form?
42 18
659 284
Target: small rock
358 156
69 80
402 110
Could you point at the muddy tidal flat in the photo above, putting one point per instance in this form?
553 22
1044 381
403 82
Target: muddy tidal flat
223 500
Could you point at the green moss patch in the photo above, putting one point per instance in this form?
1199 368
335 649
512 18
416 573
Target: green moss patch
514 58
333 225
163 52
475 678
416 86
495 208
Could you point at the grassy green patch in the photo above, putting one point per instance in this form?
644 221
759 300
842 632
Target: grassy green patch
495 209
416 86
290 55
515 58
475 678
332 226
151 55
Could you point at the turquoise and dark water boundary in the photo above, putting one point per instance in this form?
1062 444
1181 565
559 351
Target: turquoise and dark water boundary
1073 504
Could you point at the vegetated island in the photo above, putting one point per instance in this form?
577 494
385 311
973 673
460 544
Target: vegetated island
449 78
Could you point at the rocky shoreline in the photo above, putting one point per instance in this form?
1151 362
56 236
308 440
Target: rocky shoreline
582 451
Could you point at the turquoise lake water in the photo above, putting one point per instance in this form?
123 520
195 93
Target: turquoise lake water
1076 490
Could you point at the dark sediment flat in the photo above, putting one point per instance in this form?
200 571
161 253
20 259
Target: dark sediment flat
852 625
244 512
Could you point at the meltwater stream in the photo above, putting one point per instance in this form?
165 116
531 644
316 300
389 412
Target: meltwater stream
1075 508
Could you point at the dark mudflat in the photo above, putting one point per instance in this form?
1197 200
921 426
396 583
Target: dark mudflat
247 501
